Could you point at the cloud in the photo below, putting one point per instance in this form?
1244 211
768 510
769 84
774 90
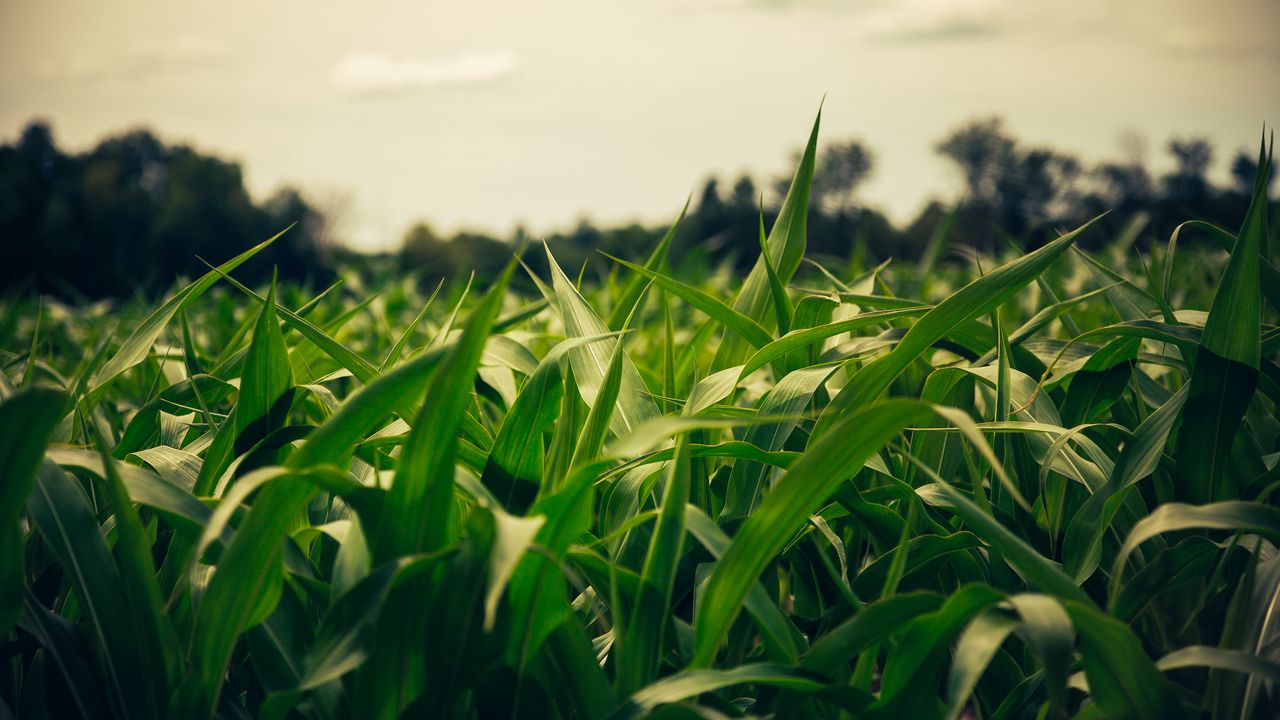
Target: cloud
147 58
899 21
1186 41
376 73
933 21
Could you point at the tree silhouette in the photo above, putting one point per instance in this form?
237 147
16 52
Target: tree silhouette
1187 183
1244 168
983 152
1007 188
841 168
134 213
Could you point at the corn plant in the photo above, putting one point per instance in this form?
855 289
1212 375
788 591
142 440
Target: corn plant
1046 488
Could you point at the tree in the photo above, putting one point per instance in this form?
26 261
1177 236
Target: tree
709 202
202 210
486 256
1244 169
1038 187
1187 183
29 172
1007 187
1124 185
983 152
423 252
744 194
133 213
303 251
841 169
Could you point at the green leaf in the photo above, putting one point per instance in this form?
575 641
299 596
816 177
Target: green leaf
643 639
538 591
263 403
590 362
977 645
920 551
337 648
1233 329
513 536
513 470
178 506
266 375
800 339
1168 571
786 249
394 353
800 492
777 633
341 354
916 655
27 420
1040 321
872 624
1226 363
1234 660
692 683
1031 565
135 348
777 288
788 397
153 632
1231 515
625 302
61 512
418 508
743 325
711 390
419 516
1082 546
602 411
176 466
145 424
1122 679
252 560
1227 241
66 649
973 300
1048 630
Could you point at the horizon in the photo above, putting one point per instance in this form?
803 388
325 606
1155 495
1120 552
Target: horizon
443 116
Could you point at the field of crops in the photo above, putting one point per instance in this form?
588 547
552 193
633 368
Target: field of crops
1035 485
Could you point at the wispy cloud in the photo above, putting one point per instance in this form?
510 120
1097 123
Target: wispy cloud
933 20
368 73
178 54
899 21
1188 41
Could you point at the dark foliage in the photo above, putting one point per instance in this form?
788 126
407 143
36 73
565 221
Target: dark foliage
133 213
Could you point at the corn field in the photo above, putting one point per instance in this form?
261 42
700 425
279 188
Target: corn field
1040 485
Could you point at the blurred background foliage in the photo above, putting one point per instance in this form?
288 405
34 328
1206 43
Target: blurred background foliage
131 215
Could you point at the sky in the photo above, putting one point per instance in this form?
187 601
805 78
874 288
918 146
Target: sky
486 114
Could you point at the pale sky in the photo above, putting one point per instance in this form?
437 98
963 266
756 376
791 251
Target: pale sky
489 113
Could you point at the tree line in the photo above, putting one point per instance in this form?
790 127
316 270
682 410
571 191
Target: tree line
133 213
1013 193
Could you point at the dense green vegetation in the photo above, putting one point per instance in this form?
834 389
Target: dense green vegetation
1032 484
